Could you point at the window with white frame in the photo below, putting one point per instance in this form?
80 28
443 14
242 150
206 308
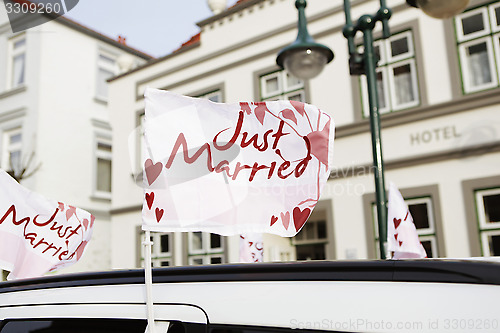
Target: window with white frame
397 83
478 42
310 243
281 85
488 211
103 156
214 96
106 68
12 149
161 250
17 60
422 212
205 248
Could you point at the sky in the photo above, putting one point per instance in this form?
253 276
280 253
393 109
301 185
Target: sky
156 27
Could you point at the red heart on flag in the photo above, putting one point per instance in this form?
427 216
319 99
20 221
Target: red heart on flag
152 170
396 236
159 214
400 243
285 218
274 219
397 222
150 197
300 217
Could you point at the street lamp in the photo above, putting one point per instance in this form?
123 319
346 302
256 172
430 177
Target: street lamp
304 58
303 51
440 9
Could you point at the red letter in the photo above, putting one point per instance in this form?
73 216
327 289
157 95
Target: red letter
181 141
282 167
237 130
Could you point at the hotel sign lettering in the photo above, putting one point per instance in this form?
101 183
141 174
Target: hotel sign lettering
433 135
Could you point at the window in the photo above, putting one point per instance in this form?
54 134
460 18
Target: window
11 149
281 86
106 68
488 211
397 83
310 242
478 42
17 68
205 248
214 96
103 168
161 251
422 212
80 325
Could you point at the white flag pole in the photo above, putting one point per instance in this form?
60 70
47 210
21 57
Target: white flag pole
148 275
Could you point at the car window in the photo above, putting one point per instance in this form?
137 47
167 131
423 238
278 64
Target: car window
76 325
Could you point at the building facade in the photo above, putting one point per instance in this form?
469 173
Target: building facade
54 119
439 94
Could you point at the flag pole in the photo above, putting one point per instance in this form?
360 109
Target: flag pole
149 281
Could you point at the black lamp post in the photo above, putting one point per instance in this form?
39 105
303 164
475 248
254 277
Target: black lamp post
299 59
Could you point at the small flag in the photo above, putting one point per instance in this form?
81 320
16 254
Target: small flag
402 237
38 235
251 248
233 168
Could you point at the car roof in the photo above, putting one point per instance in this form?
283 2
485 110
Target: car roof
437 271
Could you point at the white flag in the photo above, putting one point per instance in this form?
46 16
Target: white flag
38 235
251 248
233 168
402 237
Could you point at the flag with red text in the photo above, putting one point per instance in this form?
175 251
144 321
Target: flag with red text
233 168
38 235
402 237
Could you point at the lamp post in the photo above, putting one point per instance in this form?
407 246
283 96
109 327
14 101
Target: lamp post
304 51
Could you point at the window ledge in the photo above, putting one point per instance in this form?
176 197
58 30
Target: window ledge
13 91
101 100
103 196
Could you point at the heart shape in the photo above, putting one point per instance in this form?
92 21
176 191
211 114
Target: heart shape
396 236
397 222
300 217
400 243
152 170
274 219
150 197
285 218
159 214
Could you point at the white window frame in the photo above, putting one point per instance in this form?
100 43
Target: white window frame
409 54
364 90
485 244
105 155
492 7
263 83
206 252
414 81
427 234
106 66
483 224
283 91
211 94
205 259
466 77
8 147
385 66
458 24
157 257
13 53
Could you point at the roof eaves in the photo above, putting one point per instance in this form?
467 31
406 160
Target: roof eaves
238 6
179 51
